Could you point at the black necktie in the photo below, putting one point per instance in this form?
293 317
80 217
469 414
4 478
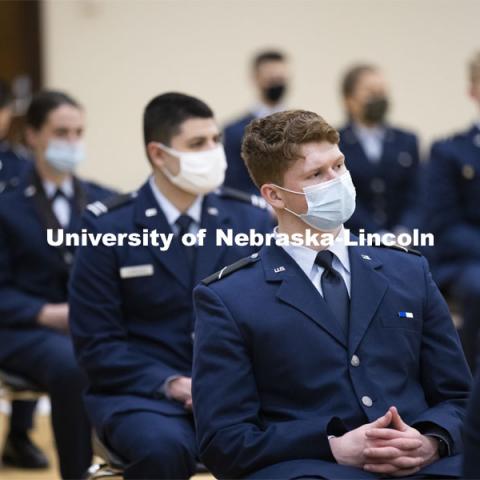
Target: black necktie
334 289
183 223
59 193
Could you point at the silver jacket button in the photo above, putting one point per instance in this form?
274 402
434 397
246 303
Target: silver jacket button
367 401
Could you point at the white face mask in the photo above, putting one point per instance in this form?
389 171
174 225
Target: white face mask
64 156
200 172
330 204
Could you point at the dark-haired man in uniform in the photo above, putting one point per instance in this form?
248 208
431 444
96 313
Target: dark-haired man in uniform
271 78
131 306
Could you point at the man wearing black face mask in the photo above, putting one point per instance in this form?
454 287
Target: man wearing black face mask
270 75
383 160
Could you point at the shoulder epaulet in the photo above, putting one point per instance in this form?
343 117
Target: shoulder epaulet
225 271
252 199
111 203
401 248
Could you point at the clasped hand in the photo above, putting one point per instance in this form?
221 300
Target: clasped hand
388 446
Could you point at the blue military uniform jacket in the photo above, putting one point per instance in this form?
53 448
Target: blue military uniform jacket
33 273
387 191
453 202
237 175
14 161
131 307
274 374
472 434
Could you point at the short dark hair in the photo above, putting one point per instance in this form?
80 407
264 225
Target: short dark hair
268 56
43 103
165 113
352 77
272 144
5 94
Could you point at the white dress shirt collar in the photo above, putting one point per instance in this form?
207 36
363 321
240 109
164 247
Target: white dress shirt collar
305 258
261 110
170 211
362 131
66 188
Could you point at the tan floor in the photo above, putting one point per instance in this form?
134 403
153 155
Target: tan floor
43 438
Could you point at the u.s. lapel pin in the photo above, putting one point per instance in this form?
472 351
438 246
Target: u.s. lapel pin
212 211
366 257
279 269
150 212
405 314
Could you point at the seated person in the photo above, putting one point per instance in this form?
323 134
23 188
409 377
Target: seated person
34 329
454 218
382 158
131 307
19 450
323 362
271 78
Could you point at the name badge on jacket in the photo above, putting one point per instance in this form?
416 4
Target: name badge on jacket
136 271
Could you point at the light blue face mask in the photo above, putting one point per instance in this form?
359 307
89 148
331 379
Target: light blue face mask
330 204
64 156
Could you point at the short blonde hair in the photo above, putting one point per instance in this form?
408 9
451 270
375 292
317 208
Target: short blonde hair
474 68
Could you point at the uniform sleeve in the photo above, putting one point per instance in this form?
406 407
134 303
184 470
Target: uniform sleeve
446 214
233 440
112 362
17 307
446 378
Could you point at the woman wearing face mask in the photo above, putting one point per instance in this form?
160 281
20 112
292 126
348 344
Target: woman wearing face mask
383 160
34 330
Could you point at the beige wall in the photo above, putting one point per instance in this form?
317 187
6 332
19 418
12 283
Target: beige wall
114 55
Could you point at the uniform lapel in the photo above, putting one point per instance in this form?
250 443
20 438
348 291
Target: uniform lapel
388 150
78 204
357 150
148 215
297 290
368 287
474 137
208 257
35 192
42 205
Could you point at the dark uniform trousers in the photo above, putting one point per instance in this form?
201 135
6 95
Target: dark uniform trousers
274 374
132 323
13 162
387 190
32 273
454 218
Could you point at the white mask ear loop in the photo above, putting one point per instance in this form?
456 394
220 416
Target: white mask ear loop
287 189
290 191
